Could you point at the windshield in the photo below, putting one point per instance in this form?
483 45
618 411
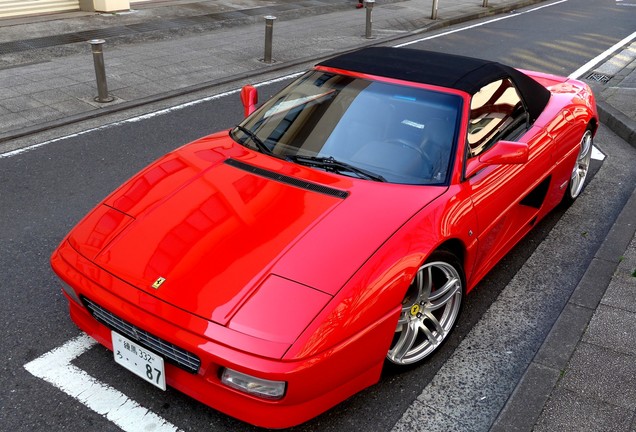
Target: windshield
402 134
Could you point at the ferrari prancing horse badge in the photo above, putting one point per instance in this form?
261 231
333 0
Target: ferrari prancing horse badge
158 282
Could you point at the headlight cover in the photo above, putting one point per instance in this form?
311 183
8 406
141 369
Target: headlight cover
70 292
279 310
265 389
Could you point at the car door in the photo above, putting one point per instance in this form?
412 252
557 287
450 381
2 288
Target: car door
507 197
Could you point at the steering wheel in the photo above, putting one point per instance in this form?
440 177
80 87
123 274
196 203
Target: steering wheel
411 145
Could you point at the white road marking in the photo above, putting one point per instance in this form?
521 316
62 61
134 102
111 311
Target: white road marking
602 56
505 17
55 367
597 154
145 116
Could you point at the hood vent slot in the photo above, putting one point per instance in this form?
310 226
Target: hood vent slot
287 179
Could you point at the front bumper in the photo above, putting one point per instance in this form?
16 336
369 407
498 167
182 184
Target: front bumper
314 384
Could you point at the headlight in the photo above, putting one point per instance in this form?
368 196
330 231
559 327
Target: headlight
262 388
70 292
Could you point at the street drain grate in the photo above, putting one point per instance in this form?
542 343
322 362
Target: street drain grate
599 77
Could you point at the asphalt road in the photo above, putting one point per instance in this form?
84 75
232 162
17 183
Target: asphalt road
43 192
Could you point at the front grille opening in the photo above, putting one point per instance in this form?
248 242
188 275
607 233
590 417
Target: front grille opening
170 352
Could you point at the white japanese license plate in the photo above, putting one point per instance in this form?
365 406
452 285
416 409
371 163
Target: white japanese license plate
139 360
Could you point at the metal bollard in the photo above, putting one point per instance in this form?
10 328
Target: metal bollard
368 4
434 11
269 32
485 3
100 71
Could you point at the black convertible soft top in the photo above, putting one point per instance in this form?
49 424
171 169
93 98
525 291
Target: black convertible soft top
445 70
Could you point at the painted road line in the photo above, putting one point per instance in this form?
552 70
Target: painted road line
55 367
597 154
478 24
146 116
602 56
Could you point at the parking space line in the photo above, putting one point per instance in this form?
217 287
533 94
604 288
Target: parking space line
55 367
597 154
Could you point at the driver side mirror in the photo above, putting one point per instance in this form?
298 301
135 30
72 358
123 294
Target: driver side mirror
249 98
502 153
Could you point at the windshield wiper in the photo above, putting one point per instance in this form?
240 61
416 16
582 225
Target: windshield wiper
255 139
334 165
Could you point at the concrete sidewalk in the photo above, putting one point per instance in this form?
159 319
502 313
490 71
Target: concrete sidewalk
161 50
584 376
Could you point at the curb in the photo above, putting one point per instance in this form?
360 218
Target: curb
106 110
618 122
523 408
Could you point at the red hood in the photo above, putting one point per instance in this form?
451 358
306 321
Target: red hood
215 219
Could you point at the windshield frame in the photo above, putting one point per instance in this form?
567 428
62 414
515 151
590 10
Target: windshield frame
277 106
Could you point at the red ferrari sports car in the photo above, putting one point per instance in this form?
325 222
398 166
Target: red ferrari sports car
272 270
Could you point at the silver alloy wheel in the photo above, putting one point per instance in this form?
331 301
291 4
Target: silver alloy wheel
429 312
582 165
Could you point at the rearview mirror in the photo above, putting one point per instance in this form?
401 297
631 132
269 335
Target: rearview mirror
502 153
249 98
